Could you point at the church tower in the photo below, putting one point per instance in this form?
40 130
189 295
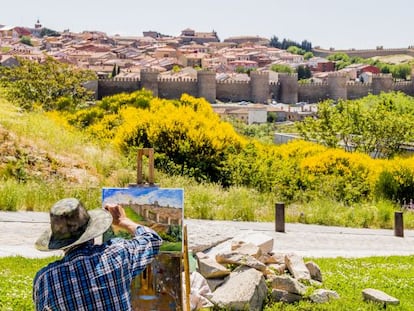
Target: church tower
38 25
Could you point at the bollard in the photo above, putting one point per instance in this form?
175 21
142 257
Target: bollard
280 217
398 224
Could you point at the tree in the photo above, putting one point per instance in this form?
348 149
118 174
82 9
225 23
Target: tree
49 32
274 42
303 72
32 83
114 71
281 68
26 40
374 125
308 55
401 71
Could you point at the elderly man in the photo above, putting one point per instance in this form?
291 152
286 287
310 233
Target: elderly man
91 277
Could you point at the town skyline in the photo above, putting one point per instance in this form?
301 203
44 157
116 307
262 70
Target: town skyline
346 25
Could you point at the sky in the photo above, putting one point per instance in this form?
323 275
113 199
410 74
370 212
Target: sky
347 24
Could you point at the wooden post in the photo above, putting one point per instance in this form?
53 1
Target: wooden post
186 270
398 224
150 153
280 217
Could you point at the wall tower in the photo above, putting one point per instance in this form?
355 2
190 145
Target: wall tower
259 86
288 88
149 80
337 86
206 85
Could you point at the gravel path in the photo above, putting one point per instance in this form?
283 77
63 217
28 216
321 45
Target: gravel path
19 230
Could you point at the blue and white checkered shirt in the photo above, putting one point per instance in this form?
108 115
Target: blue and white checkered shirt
96 277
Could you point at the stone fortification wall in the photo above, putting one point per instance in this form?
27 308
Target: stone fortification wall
381 83
207 86
364 53
337 86
233 91
288 92
274 89
406 87
149 80
357 89
259 89
174 88
259 86
312 92
107 87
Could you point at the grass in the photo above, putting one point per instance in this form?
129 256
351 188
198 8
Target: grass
393 275
347 276
46 137
16 281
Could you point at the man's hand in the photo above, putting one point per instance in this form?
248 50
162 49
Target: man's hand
117 212
120 219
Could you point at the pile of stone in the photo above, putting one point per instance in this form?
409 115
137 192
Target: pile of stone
241 277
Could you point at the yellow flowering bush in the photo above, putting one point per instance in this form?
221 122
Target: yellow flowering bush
190 139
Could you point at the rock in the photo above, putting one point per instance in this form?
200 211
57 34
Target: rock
211 269
288 284
297 267
240 259
323 295
314 270
370 294
279 295
214 283
277 268
200 292
244 289
247 249
276 258
263 241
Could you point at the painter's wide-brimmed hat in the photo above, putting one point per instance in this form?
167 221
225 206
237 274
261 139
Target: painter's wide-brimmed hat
71 224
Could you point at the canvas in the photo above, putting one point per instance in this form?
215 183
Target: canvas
159 287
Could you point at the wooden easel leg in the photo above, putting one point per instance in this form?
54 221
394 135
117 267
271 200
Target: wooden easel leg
186 270
150 153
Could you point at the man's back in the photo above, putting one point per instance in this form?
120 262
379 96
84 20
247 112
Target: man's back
95 277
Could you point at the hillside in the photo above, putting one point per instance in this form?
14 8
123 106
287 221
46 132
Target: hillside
20 155
394 59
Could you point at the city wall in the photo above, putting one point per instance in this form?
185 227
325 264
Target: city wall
174 88
258 90
364 53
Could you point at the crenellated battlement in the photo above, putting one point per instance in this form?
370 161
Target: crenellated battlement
258 89
149 70
177 79
354 83
337 75
382 76
402 83
233 82
312 84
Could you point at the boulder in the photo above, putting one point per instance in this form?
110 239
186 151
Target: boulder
279 295
244 289
297 267
370 294
247 249
240 259
323 295
288 284
211 269
314 270
263 241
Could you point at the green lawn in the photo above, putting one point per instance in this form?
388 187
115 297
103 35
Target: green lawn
348 277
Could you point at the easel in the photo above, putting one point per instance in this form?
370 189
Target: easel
149 152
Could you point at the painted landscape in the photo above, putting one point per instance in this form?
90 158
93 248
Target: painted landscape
161 209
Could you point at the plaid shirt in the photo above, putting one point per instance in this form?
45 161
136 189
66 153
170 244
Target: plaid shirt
96 277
